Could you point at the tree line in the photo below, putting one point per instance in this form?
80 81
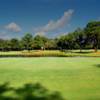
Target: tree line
86 38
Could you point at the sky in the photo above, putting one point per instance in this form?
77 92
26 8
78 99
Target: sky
45 17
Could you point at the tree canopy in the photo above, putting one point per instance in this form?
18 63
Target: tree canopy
86 38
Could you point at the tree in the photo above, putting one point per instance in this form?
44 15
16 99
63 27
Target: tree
2 45
70 41
92 31
27 41
61 43
79 38
15 44
39 42
65 42
7 45
51 44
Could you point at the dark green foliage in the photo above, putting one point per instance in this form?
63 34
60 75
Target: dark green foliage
92 31
15 45
39 42
27 41
2 44
65 42
79 38
51 44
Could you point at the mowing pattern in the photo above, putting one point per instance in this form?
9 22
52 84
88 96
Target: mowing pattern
76 78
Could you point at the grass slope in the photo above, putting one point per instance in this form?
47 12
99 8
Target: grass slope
76 78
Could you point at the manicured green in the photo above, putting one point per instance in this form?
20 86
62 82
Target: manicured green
75 78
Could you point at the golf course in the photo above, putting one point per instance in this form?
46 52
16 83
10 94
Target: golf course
49 50
76 78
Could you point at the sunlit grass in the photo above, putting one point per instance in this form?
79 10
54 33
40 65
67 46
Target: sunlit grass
76 78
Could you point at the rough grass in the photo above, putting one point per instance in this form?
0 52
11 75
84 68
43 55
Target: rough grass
76 78
51 53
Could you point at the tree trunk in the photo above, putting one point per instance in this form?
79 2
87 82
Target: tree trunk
96 49
80 49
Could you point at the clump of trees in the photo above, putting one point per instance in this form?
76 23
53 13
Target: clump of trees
87 38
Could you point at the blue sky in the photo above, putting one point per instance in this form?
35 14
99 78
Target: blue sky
45 17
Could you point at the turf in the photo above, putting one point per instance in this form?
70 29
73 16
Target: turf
76 78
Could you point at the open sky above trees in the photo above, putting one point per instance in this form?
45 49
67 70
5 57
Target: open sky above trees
45 17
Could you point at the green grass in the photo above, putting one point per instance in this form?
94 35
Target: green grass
76 78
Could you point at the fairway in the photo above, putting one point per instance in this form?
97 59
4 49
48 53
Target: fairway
75 78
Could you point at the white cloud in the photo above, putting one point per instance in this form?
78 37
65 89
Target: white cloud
55 25
40 33
13 27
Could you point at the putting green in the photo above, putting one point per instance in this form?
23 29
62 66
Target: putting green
75 78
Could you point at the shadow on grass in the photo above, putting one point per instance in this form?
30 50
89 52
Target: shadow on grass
28 92
84 52
97 65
